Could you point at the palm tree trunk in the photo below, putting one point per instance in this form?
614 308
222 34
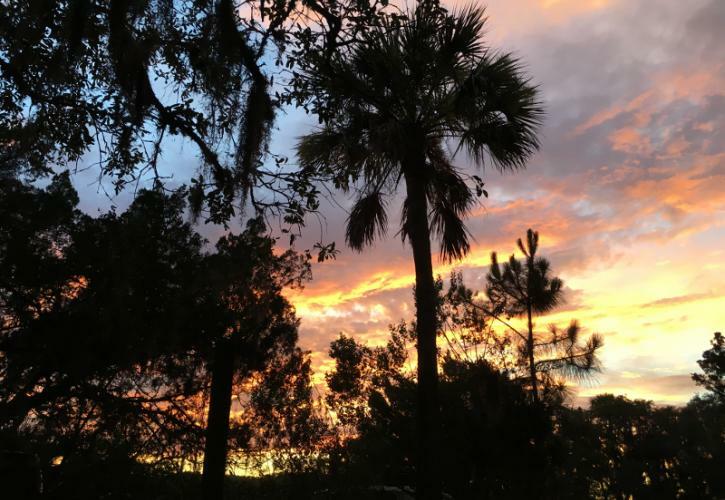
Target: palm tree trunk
428 426
217 426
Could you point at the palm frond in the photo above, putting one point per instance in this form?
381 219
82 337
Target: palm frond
331 153
452 232
367 219
450 199
462 36
499 113
446 185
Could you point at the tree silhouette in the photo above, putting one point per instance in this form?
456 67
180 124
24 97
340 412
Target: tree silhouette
488 422
115 328
526 289
100 339
121 78
616 448
257 324
622 448
389 107
112 327
361 370
713 368
284 416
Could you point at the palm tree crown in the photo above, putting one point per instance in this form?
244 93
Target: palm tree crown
396 102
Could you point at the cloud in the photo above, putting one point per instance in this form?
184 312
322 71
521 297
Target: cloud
682 299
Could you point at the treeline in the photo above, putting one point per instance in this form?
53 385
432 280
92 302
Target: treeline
130 349
496 442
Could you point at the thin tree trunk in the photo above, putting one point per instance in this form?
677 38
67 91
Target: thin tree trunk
428 425
217 426
532 361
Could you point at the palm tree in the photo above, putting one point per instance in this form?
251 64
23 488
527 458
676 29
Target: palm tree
390 107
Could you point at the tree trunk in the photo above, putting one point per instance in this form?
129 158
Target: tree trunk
532 361
217 425
428 426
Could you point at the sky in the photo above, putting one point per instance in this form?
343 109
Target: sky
627 193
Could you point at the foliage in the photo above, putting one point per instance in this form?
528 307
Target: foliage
389 105
498 444
523 290
123 79
621 448
118 332
360 370
712 365
109 327
488 423
96 351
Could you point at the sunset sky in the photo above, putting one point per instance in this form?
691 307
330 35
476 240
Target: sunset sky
628 192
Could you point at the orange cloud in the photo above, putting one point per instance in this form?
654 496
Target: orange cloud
664 89
509 18
630 140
